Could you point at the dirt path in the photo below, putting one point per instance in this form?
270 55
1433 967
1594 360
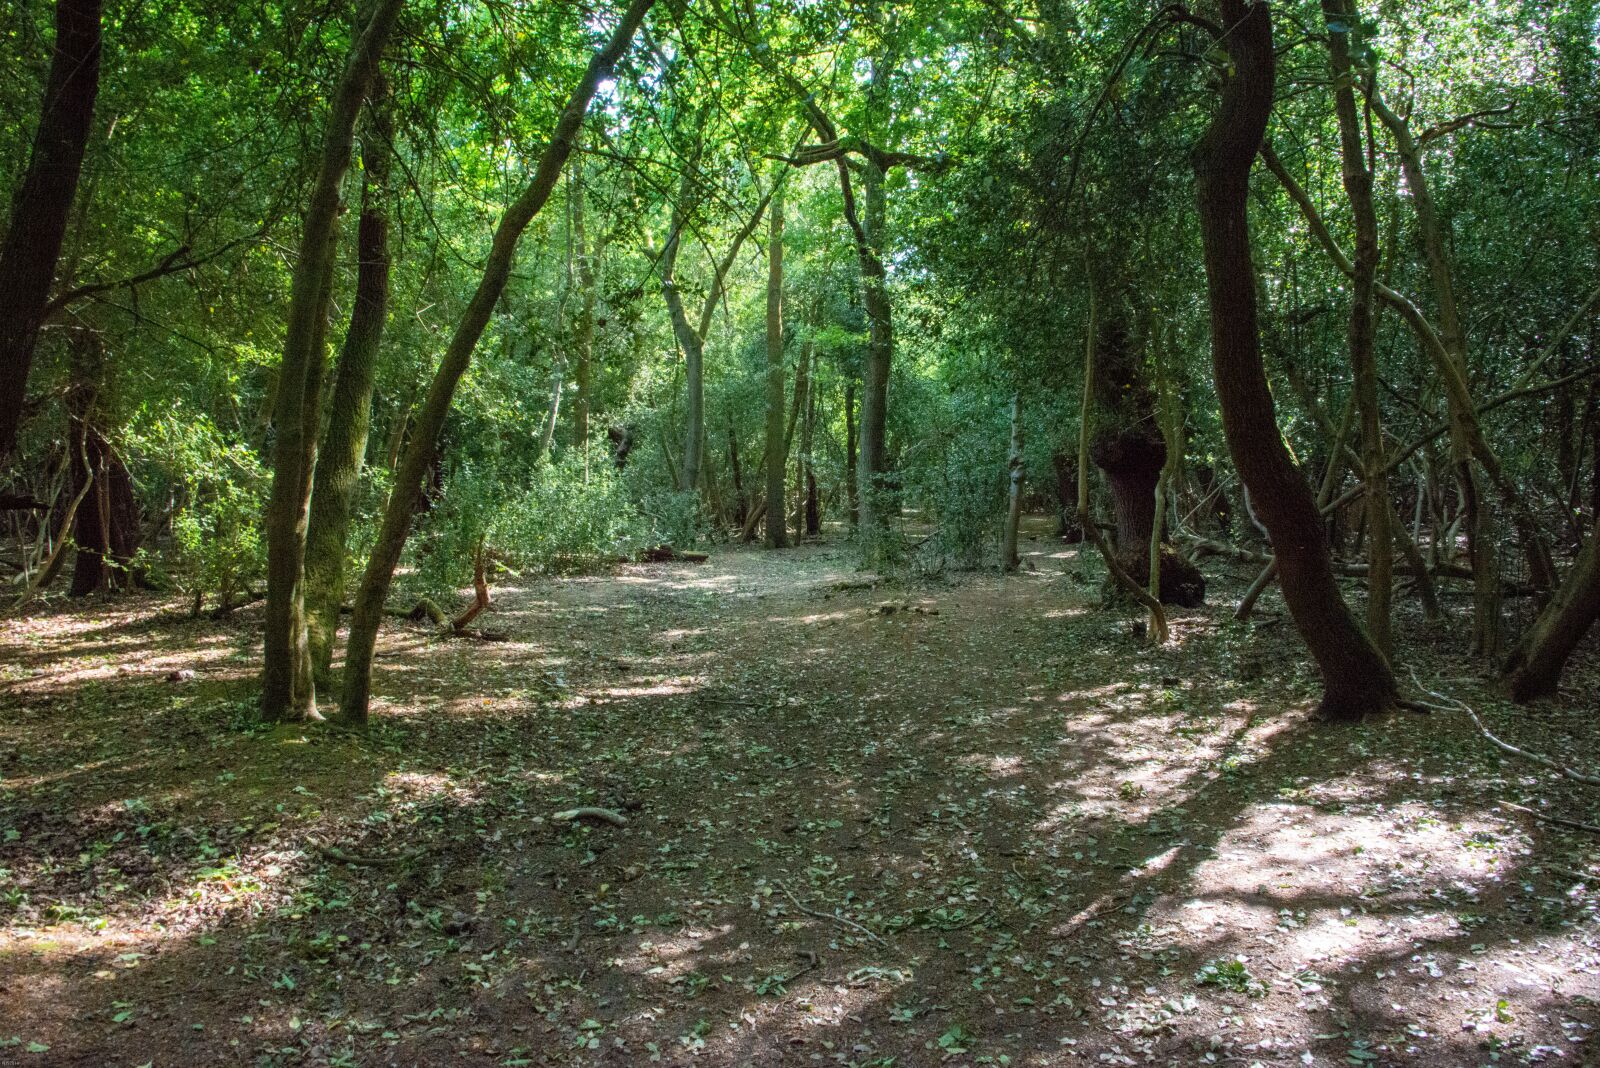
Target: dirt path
974 822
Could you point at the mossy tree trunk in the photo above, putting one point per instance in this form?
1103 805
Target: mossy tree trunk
344 445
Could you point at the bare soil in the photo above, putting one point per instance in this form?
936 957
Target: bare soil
972 821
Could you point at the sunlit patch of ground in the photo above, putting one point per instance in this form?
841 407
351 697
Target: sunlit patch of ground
1000 829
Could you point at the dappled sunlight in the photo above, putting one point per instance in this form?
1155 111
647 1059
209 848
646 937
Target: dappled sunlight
845 832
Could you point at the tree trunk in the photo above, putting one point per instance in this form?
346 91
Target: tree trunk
777 528
1127 446
691 338
431 416
106 533
805 410
1466 432
43 202
1119 575
1356 677
1009 560
1066 471
1342 21
105 528
583 327
1534 667
813 505
872 491
547 435
288 690
741 498
344 445
852 483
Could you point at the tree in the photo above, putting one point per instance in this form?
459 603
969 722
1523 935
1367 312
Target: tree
1533 669
288 690
344 446
1357 680
43 202
1341 19
419 453
777 452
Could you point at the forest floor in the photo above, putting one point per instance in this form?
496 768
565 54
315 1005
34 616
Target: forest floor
971 821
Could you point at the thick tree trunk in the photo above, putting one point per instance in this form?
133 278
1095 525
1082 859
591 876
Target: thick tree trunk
1342 21
1357 679
344 445
777 455
1127 446
431 416
1119 575
43 202
1534 667
288 690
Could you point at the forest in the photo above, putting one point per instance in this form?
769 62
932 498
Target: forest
800 532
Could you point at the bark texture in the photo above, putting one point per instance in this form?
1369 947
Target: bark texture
1357 679
1128 448
288 690
344 445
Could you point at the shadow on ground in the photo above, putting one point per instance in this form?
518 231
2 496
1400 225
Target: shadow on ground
967 822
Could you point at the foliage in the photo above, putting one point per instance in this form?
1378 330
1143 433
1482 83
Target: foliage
217 492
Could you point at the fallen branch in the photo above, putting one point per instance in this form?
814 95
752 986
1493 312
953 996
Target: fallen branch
1556 820
595 815
1454 705
358 860
832 916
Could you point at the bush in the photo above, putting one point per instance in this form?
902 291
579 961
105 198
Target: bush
218 489
556 524
563 524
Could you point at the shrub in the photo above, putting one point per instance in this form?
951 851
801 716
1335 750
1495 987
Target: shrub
218 489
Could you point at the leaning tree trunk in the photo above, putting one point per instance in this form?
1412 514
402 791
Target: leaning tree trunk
1341 20
1534 667
1356 677
288 690
430 417
344 445
43 202
777 528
